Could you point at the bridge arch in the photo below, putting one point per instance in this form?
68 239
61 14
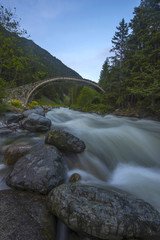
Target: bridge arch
63 79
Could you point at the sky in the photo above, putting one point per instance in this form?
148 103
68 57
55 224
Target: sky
77 32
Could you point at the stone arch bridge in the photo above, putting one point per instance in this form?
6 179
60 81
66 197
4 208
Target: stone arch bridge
26 92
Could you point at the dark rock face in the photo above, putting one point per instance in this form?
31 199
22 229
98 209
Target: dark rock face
36 123
65 141
25 216
40 170
14 118
104 213
14 152
37 109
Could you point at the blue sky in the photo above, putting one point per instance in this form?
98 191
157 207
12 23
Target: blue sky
78 32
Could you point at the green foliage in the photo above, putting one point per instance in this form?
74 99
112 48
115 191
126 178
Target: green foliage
38 76
33 104
87 96
132 76
7 21
3 85
17 103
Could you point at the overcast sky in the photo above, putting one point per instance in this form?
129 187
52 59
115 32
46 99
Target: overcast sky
78 32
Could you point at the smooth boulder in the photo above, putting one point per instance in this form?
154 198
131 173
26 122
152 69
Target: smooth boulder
40 170
37 109
14 118
14 152
65 141
104 213
25 215
36 123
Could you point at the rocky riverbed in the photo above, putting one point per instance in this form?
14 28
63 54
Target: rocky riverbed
40 192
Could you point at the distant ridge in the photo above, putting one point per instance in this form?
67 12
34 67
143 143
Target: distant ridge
51 64
39 60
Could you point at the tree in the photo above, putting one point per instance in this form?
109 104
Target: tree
7 21
86 97
104 79
12 58
144 53
119 41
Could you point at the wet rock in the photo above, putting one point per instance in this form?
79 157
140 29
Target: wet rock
14 118
36 123
13 126
14 152
104 213
65 141
5 131
75 178
2 125
25 216
37 109
40 170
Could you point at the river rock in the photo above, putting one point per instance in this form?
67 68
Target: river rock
36 123
14 118
5 131
25 216
14 152
104 213
40 170
37 109
65 141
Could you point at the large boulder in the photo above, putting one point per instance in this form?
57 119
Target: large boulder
14 152
65 141
14 117
37 109
36 123
104 213
24 215
40 170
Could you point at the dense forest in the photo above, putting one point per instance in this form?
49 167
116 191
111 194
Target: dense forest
131 77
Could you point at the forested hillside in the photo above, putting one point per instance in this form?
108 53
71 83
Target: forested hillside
21 60
131 77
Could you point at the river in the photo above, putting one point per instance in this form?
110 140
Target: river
120 151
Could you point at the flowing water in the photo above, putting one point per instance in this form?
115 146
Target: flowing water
120 151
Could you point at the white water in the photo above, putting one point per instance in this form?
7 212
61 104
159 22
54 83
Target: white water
121 152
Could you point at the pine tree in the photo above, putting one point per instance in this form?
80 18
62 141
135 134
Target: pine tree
104 80
119 41
144 54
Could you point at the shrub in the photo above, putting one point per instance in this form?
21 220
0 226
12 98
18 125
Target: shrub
32 104
16 103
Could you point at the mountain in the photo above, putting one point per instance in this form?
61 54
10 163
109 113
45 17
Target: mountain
23 61
48 63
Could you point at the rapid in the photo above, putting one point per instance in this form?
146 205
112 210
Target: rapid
121 152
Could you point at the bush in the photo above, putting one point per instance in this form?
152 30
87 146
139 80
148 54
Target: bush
17 103
33 104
